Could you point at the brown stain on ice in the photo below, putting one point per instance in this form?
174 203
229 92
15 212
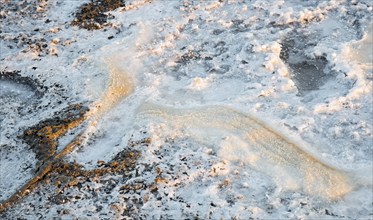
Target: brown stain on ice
120 86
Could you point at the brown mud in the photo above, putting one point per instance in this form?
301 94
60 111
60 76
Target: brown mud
66 175
52 169
91 16
43 138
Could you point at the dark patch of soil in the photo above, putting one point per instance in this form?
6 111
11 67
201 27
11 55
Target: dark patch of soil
43 137
91 16
189 56
72 175
64 174
24 8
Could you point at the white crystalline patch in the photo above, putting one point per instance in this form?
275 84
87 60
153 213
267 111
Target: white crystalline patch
199 83
233 148
362 50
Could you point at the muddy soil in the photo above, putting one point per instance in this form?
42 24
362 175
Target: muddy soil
92 15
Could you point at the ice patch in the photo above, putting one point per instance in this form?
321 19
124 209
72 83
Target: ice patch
243 138
17 90
307 72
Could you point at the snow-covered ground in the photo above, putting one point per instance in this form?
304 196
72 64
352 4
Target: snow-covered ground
302 70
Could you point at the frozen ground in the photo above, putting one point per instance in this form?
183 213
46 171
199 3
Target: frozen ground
302 68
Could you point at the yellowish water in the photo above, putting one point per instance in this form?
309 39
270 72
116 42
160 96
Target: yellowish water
119 86
257 145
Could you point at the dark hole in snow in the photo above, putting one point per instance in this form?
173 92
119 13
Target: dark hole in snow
307 72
